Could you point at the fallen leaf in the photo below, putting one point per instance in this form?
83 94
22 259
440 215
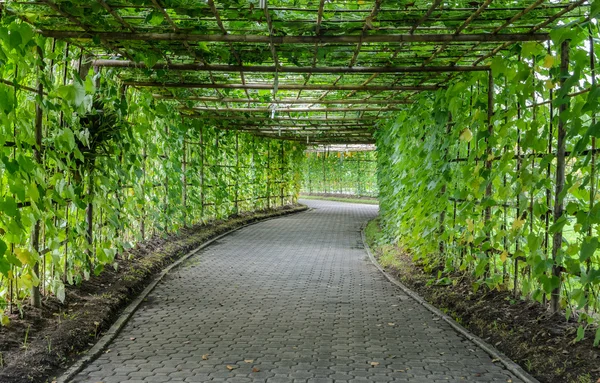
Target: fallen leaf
205 357
132 338
495 360
391 324
374 364
248 360
229 367
255 369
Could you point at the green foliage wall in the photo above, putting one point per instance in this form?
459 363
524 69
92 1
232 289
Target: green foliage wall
340 173
133 163
477 196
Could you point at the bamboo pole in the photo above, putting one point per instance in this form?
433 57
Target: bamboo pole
36 299
262 39
269 86
560 182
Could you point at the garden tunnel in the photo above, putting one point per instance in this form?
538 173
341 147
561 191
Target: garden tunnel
121 119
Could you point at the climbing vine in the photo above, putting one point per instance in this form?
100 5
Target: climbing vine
473 180
340 173
89 168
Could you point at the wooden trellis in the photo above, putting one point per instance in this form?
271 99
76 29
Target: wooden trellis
293 58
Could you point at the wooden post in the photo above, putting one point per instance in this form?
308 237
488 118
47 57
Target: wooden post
90 217
201 173
282 172
588 262
184 180
143 222
237 172
166 198
488 166
36 299
268 174
518 210
442 246
560 181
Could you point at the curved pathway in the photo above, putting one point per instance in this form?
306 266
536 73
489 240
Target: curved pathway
293 299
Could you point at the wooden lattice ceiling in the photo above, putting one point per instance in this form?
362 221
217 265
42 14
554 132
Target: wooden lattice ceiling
318 70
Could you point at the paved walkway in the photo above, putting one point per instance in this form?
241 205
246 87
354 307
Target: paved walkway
289 300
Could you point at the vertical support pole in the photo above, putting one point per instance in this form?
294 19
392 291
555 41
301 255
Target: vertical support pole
588 262
143 222
442 228
89 217
488 166
281 187
184 178
201 173
268 174
324 172
237 172
36 299
560 181
518 210
166 198
548 174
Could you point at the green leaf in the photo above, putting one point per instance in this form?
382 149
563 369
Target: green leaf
9 206
588 247
558 225
155 18
597 338
580 333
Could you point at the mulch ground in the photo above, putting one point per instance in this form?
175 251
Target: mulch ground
541 343
41 343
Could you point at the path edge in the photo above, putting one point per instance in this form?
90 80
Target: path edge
489 349
114 330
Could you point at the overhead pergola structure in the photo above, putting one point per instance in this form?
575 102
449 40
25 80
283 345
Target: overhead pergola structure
316 71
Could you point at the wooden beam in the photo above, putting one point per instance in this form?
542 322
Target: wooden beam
286 69
195 85
259 39
287 100
254 118
291 110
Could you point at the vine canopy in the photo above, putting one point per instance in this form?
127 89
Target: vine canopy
304 70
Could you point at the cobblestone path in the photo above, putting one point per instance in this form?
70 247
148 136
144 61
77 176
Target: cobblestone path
293 299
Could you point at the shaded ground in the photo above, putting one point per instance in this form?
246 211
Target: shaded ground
523 330
41 343
289 300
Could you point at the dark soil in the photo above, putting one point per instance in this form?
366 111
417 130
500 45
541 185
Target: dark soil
39 344
521 329
338 195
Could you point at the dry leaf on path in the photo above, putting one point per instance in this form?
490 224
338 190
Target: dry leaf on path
229 367
205 357
255 369
248 360
374 364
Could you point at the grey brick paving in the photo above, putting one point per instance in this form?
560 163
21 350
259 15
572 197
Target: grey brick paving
298 299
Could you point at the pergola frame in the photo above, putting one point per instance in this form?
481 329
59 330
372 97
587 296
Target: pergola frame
307 69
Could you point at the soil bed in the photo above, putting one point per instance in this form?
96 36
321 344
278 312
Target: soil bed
521 329
39 344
